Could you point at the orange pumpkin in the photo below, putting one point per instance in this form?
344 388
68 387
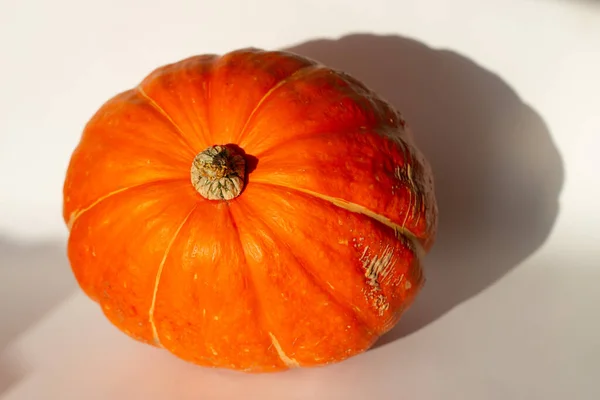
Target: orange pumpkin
254 211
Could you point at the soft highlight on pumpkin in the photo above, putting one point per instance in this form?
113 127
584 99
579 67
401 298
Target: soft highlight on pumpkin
255 211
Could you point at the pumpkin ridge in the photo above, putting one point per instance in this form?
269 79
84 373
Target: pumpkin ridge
259 304
79 212
158 276
203 130
288 361
413 239
162 112
268 94
207 96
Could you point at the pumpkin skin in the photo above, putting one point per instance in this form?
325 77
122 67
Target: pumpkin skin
315 259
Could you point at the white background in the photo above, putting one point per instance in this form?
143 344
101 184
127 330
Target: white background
504 97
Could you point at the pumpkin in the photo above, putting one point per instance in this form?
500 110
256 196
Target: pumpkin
254 211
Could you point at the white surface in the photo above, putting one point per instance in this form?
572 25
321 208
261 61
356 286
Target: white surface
505 99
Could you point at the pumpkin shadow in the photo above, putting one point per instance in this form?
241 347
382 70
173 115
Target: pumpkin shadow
34 277
497 172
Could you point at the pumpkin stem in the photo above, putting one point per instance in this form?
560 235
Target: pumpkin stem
218 173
